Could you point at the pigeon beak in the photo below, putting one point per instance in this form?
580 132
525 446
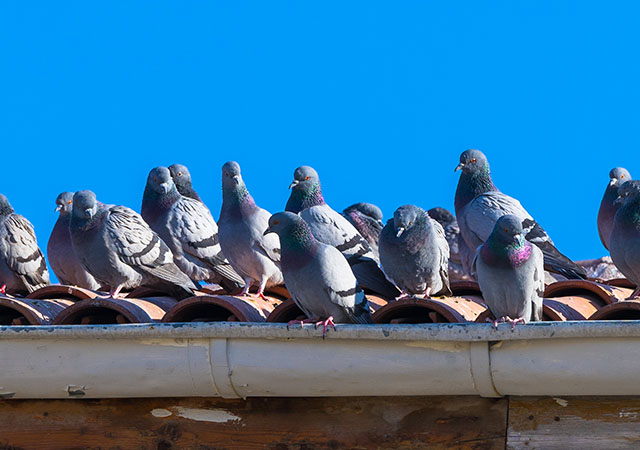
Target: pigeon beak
400 231
619 200
293 184
518 238
58 208
165 187
88 213
267 231
613 182
459 167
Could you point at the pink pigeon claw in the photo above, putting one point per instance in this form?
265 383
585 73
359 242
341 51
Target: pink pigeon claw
325 323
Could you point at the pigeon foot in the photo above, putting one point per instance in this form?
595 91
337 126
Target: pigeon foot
403 296
325 323
302 323
3 289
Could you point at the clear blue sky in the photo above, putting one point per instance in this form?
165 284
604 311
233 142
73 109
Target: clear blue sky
380 97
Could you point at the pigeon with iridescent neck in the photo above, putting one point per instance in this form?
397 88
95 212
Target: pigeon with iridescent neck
332 228
624 242
64 261
182 179
187 227
23 268
121 251
479 204
608 206
241 227
317 275
510 272
367 218
414 253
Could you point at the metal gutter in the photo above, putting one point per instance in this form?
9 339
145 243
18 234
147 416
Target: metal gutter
233 360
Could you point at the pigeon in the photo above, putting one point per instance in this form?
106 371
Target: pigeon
23 268
331 228
121 251
241 227
608 206
510 272
317 275
64 262
461 255
414 253
479 204
624 242
188 229
367 218
182 179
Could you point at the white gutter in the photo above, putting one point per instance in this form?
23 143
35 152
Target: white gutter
233 360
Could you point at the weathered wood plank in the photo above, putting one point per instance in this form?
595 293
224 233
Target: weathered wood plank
574 422
274 423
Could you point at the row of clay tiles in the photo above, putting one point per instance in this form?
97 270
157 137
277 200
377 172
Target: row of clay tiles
69 305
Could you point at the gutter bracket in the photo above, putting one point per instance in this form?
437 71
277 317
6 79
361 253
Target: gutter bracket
220 371
480 359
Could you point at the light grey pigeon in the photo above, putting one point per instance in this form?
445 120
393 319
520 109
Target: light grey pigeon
187 227
317 275
479 204
23 268
608 206
182 179
332 228
367 218
64 262
624 240
121 251
510 272
414 253
241 227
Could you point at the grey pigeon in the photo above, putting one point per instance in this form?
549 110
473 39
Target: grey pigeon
608 206
625 236
64 262
241 227
187 227
121 251
479 204
367 219
510 272
331 228
414 253
23 268
317 275
182 179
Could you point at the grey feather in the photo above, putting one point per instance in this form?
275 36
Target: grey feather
624 240
23 268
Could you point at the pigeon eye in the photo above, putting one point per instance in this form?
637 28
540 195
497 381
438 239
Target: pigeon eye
472 160
69 202
306 178
506 230
621 176
179 174
275 222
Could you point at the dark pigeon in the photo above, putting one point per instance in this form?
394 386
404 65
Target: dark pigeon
367 219
479 204
608 206
64 262
332 228
414 253
182 179
625 236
